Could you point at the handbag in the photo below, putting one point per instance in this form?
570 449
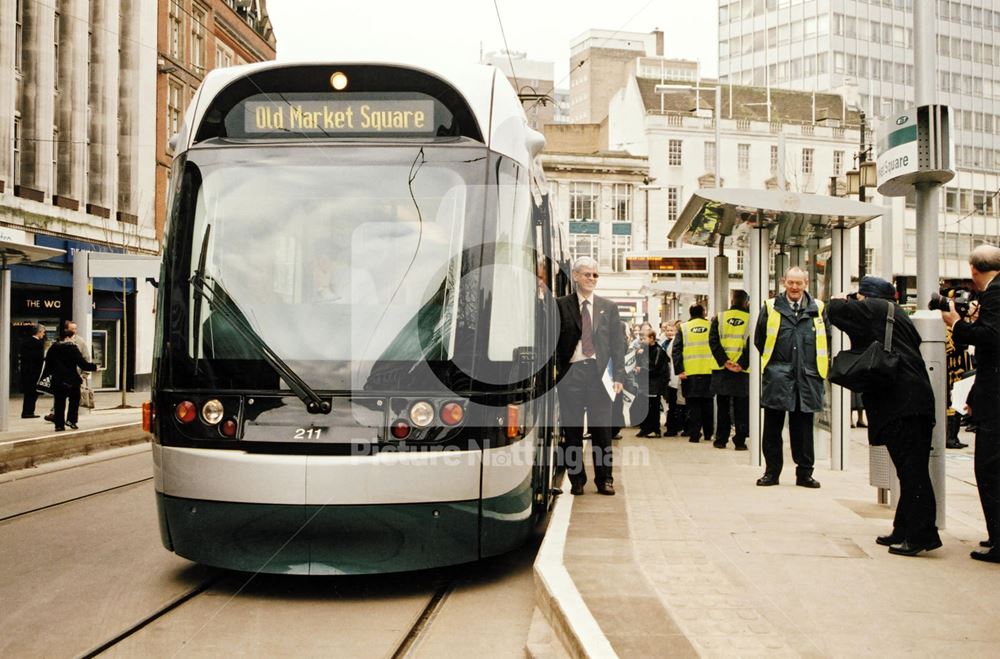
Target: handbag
86 396
44 384
871 368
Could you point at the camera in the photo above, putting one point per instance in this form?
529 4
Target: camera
962 297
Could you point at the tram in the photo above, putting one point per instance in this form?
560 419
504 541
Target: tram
352 363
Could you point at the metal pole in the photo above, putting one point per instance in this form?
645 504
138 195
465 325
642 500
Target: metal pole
929 323
840 398
4 345
721 279
862 153
718 135
759 266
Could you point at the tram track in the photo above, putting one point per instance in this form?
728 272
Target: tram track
75 499
411 641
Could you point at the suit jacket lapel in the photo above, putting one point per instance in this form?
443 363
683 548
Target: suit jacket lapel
575 311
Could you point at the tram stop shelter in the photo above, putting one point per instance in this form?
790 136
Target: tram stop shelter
13 250
782 229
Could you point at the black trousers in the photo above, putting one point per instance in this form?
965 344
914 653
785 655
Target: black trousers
909 444
61 395
30 395
581 391
800 431
699 418
651 422
675 413
987 467
733 410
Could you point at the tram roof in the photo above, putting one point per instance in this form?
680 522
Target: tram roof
794 216
489 94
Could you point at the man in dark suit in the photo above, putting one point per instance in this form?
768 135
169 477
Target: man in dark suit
589 344
984 334
32 356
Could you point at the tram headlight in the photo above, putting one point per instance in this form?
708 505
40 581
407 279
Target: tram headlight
228 428
452 414
400 429
339 81
212 411
185 412
422 414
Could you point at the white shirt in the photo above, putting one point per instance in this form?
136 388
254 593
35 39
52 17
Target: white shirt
578 355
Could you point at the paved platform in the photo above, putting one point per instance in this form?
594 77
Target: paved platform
29 442
691 558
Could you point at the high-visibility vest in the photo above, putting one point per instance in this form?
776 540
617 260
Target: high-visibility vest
734 326
774 324
697 353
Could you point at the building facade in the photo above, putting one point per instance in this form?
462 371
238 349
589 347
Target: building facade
864 48
194 37
599 199
77 122
532 77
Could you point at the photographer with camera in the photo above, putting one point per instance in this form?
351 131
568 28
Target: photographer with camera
900 417
984 333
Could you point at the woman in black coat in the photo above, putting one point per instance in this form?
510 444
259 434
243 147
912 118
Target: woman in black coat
61 363
652 373
900 417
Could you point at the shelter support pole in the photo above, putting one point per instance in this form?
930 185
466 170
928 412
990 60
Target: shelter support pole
720 284
780 265
797 256
840 398
4 345
758 264
83 296
927 322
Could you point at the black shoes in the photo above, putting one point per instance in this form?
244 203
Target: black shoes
30 416
889 540
741 447
642 434
719 444
606 488
73 425
955 444
808 481
766 480
986 543
907 548
991 556
653 434
576 490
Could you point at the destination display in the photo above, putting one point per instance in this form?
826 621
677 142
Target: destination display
339 117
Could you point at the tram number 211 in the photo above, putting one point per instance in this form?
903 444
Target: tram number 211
308 433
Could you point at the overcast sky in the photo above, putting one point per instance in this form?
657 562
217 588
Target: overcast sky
434 30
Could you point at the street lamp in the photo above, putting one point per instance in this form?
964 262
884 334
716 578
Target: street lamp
857 180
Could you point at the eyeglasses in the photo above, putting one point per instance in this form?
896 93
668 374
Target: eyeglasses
590 275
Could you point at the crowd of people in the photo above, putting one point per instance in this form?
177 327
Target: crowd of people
692 368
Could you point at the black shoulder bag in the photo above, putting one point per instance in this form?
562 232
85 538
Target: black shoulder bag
871 368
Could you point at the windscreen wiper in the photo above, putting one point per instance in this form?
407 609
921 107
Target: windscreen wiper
219 302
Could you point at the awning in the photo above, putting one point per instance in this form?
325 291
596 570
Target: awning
795 217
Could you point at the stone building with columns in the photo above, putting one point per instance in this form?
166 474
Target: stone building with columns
77 122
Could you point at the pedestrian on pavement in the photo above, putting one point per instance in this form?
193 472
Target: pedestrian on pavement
589 345
674 421
984 333
958 361
652 371
31 356
900 417
792 337
62 362
694 364
729 340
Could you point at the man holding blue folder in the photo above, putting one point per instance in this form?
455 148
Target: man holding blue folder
590 370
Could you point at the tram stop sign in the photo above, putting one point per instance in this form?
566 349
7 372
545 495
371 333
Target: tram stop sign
914 147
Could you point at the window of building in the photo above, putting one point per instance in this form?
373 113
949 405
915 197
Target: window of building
584 244
175 24
869 259
673 202
838 163
18 33
621 202
55 49
583 200
674 153
175 100
743 157
774 159
807 161
709 156
223 55
620 246
198 19
54 186
16 159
